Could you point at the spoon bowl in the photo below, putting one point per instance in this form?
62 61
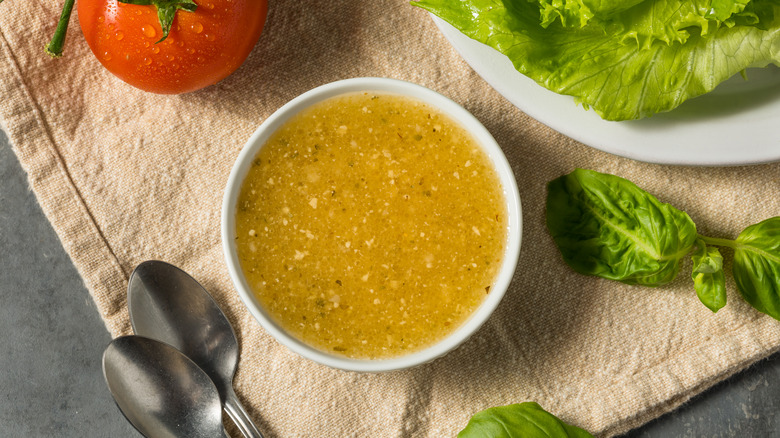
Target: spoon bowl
168 305
160 391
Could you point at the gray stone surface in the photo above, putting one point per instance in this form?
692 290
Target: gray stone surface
51 383
746 405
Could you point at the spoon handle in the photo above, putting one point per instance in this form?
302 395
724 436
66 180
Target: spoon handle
239 416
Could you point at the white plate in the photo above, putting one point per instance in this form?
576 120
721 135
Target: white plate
737 123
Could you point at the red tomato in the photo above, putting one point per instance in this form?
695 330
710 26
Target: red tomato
202 48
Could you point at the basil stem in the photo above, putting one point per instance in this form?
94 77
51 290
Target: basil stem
718 242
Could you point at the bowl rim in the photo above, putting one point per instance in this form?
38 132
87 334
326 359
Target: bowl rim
389 86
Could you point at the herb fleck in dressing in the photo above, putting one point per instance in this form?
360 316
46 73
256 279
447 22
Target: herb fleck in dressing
371 225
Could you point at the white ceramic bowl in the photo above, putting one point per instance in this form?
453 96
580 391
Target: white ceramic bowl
276 120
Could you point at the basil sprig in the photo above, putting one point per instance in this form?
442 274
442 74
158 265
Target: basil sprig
524 420
606 226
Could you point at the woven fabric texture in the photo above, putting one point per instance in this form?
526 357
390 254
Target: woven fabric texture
126 176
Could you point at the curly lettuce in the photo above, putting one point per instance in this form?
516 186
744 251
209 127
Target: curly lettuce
624 63
673 15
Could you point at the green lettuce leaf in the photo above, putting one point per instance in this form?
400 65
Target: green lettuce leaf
723 9
571 13
662 18
606 226
647 59
578 13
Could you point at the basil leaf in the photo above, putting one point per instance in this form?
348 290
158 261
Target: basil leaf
524 420
757 266
606 226
708 279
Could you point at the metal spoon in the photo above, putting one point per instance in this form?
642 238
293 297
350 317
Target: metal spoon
167 304
160 391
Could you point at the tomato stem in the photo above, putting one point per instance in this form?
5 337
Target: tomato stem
54 49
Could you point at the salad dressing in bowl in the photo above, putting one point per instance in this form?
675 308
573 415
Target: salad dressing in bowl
371 225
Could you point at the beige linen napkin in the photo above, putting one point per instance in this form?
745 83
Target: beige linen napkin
125 176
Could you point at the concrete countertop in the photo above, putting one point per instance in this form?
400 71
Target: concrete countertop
51 384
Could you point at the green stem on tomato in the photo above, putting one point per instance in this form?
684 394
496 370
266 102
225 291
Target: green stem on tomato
54 48
718 242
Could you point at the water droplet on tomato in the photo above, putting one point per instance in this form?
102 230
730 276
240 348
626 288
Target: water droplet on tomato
127 56
209 5
107 56
169 57
209 37
180 43
200 59
147 61
175 66
190 50
119 35
100 19
155 50
197 27
149 31
138 12
146 43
